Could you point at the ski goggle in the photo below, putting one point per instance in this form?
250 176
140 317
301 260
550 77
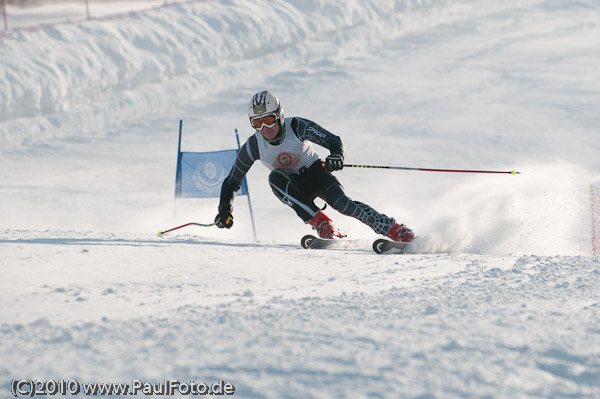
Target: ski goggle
259 122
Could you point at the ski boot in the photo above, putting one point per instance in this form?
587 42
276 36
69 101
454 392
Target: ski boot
324 226
399 232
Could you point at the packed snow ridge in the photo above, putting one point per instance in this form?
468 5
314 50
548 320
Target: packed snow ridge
69 79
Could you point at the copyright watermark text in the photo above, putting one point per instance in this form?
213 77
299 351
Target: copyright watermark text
32 387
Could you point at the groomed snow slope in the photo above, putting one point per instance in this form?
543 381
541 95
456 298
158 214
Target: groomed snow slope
501 297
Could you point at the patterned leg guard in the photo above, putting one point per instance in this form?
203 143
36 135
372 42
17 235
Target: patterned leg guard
380 223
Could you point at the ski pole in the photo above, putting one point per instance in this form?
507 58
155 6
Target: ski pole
512 172
160 233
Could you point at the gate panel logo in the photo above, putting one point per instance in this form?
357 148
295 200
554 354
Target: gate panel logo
209 176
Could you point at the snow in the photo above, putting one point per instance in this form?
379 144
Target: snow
500 298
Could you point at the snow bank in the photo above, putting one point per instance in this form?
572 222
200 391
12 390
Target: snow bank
72 79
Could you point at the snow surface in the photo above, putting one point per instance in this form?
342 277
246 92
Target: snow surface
501 297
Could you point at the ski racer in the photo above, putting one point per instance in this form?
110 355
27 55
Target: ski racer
297 175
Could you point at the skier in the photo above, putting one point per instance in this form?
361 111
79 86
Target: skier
297 175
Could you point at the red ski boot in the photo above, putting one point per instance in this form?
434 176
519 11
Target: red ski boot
324 226
399 232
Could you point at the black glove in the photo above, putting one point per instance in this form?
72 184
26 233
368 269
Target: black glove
334 162
224 220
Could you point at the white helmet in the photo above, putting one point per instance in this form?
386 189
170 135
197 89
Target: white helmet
264 104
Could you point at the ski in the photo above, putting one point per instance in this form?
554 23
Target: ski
382 246
312 242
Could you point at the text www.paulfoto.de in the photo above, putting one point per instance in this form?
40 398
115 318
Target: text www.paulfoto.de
30 387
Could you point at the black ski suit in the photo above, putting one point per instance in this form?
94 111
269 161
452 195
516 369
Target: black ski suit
299 189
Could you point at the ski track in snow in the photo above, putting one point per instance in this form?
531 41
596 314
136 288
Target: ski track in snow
337 323
501 297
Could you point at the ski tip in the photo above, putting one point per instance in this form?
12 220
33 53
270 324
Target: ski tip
307 241
378 246
384 245
160 234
